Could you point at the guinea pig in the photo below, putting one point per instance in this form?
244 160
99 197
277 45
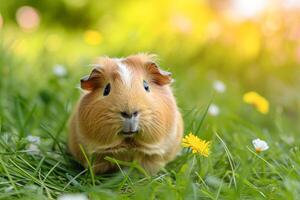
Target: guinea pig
127 112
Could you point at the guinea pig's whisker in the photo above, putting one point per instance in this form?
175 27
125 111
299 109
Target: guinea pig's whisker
152 128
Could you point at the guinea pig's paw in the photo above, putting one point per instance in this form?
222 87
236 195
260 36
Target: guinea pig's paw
104 167
152 165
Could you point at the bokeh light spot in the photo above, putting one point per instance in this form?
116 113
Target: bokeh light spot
181 23
1 21
248 40
53 42
92 37
27 18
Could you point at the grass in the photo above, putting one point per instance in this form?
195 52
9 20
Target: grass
36 102
232 171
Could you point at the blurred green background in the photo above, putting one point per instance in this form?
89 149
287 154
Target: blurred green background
216 50
250 45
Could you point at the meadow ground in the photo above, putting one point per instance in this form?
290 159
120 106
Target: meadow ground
39 77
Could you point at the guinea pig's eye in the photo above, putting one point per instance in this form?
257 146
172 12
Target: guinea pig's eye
106 90
146 86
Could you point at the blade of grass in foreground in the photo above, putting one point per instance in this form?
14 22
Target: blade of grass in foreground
269 164
73 180
89 164
203 116
127 164
61 127
49 132
8 176
230 159
19 118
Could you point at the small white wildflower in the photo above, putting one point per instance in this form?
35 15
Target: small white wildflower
219 86
73 197
59 70
213 110
9 189
33 139
33 149
260 145
289 139
6 136
53 154
31 187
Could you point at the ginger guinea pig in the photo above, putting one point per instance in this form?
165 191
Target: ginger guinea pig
127 112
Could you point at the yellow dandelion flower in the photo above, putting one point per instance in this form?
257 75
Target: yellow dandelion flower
196 144
92 37
260 103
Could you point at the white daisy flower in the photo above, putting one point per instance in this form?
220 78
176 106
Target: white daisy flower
73 197
33 139
213 110
219 86
59 70
260 145
33 149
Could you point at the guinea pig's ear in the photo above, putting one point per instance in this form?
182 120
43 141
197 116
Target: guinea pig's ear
92 81
159 76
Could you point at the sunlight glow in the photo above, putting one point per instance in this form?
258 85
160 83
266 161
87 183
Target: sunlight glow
291 4
248 8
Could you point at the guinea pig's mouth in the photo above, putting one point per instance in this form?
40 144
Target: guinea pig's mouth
128 134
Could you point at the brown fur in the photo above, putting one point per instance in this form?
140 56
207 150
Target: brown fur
96 122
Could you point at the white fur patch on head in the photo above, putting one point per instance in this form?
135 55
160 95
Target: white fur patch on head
124 71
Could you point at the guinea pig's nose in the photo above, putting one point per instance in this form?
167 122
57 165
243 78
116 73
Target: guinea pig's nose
128 115
130 123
